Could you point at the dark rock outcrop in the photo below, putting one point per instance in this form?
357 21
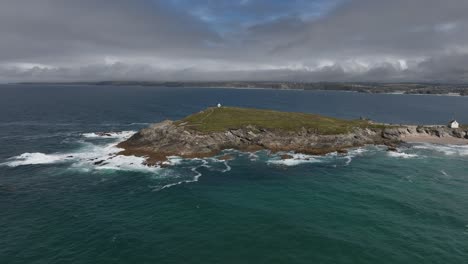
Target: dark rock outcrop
169 138
396 133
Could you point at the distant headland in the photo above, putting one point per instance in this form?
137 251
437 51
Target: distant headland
215 129
361 87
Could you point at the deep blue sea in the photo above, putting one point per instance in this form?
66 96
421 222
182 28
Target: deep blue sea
368 206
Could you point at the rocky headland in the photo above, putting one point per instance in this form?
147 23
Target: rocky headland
209 132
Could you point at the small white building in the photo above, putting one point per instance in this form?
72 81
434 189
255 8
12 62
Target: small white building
219 105
453 124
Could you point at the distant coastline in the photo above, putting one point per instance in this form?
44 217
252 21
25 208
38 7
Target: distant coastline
444 89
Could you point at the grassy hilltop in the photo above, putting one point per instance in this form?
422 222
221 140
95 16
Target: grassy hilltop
220 119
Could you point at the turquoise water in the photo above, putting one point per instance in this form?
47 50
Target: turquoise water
367 206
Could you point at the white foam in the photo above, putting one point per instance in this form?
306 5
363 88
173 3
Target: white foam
253 156
35 159
348 160
225 162
127 163
96 157
352 153
450 150
101 157
141 124
401 155
89 157
194 179
173 160
295 160
356 151
122 135
444 173
105 157
228 168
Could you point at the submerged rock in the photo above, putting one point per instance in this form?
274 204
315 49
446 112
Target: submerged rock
100 162
392 149
226 157
286 156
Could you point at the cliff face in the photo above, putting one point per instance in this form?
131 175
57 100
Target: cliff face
169 138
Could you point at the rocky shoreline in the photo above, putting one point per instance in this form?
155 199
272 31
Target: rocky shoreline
430 134
170 138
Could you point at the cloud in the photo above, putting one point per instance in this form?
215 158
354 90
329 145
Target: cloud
379 28
442 69
50 30
348 40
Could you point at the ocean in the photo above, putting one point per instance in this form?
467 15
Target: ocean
367 206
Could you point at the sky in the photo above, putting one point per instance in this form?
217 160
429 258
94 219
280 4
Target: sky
233 40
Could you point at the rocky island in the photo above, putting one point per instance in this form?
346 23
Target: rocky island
210 131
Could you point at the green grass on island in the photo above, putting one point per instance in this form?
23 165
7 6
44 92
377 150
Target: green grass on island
223 118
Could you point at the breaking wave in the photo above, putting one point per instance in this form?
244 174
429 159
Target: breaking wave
401 155
35 158
294 159
93 155
354 153
450 150
194 179
100 155
89 157
122 135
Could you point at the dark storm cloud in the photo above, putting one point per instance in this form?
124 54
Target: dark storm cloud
357 40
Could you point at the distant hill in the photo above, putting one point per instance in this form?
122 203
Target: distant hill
362 87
